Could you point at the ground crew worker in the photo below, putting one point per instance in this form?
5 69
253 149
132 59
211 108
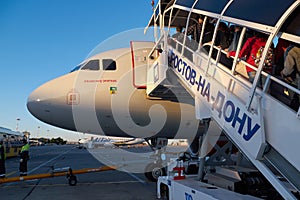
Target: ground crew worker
2 159
24 154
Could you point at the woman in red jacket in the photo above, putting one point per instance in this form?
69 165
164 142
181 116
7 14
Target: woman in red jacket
251 48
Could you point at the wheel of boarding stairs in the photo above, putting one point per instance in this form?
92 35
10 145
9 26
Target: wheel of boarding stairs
72 180
153 171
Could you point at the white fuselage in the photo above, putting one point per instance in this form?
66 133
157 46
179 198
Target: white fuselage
108 102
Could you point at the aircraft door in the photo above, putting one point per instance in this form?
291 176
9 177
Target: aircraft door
139 54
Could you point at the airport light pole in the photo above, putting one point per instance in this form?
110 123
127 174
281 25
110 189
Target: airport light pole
38 131
48 136
17 126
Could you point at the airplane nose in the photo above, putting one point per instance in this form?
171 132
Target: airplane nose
48 104
38 104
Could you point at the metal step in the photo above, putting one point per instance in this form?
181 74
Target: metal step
284 167
169 92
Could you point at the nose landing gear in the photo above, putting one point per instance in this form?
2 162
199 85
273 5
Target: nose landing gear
158 167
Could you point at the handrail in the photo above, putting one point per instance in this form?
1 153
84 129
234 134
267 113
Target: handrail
271 77
156 44
187 24
180 43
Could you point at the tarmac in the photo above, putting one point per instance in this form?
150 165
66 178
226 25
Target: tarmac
128 182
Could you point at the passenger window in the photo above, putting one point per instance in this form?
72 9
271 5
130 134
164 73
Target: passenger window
91 65
109 64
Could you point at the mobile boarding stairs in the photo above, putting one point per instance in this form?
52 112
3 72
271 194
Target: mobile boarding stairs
265 130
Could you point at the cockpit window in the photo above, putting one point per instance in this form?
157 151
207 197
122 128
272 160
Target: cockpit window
109 64
91 65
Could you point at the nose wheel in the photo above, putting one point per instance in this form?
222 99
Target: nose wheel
153 171
156 169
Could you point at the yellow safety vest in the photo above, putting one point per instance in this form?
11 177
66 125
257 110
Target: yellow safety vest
25 148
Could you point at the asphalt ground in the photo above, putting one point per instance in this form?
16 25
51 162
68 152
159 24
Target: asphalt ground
124 184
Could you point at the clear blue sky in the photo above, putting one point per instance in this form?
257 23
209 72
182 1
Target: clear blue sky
43 39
